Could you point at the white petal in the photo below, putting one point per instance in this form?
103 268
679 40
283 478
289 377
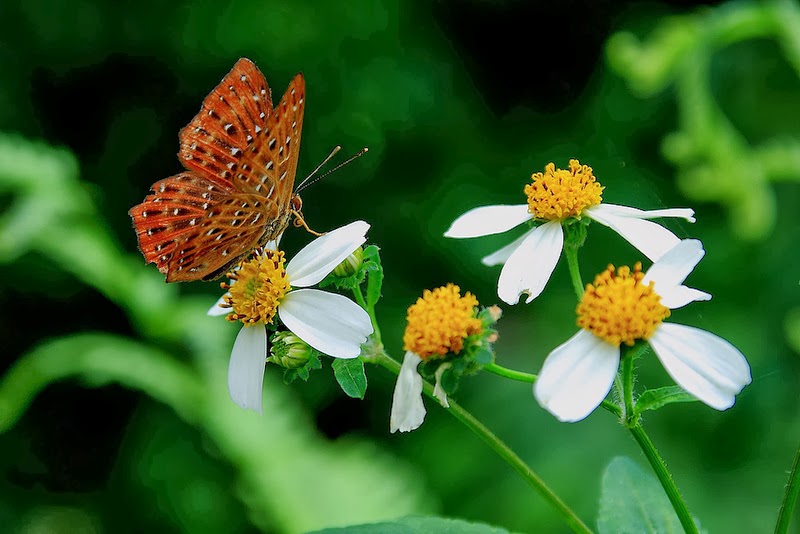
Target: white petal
626 211
438 390
488 220
577 376
502 255
216 310
408 411
331 323
703 364
680 296
528 269
669 272
650 238
246 367
317 259
673 267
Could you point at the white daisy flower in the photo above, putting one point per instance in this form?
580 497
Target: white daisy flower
623 306
262 287
437 326
553 197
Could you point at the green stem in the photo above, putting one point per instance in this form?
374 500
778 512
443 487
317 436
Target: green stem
664 477
370 310
502 450
574 270
509 373
627 387
789 497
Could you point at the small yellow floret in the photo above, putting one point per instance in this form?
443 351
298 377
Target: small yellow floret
558 194
261 283
440 321
618 308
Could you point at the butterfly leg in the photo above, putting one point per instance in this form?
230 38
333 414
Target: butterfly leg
300 221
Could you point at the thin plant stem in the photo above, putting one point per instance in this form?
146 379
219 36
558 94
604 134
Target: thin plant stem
574 270
664 476
627 387
509 373
501 449
789 497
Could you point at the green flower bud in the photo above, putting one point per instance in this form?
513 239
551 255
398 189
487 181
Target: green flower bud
289 351
351 264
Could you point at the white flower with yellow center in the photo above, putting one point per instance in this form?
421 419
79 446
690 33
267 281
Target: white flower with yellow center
623 306
553 197
262 288
437 324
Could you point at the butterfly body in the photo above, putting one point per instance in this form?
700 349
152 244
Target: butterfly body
236 193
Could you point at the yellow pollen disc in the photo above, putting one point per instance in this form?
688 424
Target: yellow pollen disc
558 194
440 321
618 308
260 285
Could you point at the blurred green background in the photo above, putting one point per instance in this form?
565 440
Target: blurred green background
114 415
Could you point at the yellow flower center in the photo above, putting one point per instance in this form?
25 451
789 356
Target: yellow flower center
618 308
557 194
440 321
261 283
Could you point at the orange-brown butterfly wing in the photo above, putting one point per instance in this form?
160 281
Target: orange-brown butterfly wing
241 157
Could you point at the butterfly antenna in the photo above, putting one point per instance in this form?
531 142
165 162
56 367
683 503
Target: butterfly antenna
304 183
307 181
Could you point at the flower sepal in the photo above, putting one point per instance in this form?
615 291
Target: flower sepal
575 231
293 354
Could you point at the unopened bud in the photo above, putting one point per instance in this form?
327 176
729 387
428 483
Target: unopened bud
351 264
289 351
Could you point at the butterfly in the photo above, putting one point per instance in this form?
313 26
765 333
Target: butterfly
236 193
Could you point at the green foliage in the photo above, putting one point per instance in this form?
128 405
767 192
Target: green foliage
351 376
268 479
653 399
417 525
631 500
716 161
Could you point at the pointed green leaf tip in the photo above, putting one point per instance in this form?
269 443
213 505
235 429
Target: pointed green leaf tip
417 525
351 376
631 500
653 399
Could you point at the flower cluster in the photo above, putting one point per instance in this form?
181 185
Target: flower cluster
449 336
622 306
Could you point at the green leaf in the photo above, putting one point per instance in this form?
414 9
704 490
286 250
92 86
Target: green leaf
653 399
417 525
351 376
631 500
375 277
